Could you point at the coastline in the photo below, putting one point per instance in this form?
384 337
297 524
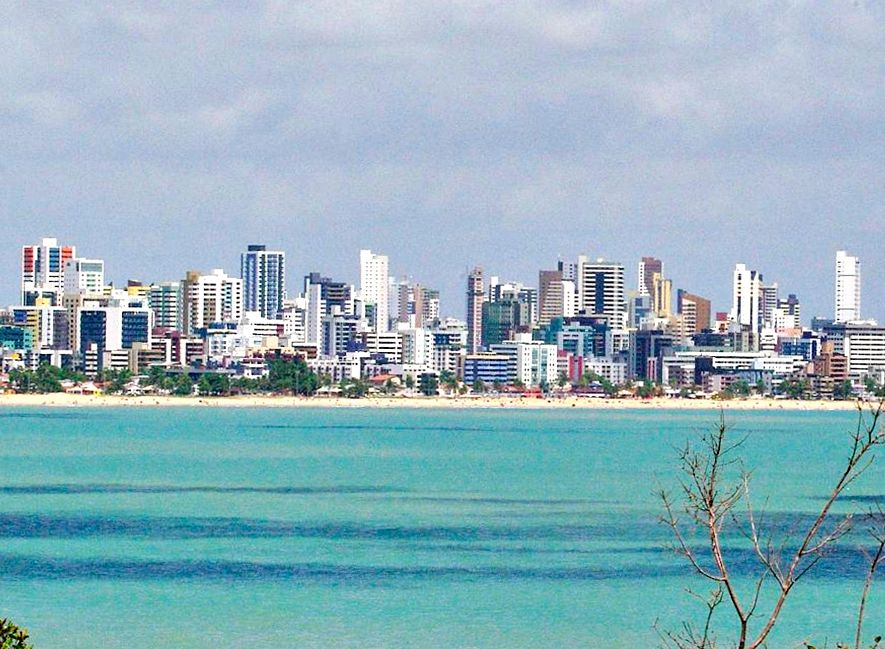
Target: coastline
64 400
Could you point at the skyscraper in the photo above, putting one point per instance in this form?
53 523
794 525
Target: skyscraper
43 268
746 297
661 295
164 300
648 266
374 288
475 298
847 287
551 296
264 280
601 290
210 298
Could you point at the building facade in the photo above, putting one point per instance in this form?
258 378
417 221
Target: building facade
847 287
263 273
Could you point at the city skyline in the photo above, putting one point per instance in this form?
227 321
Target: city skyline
449 137
631 285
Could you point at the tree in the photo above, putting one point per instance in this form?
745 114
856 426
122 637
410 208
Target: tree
711 495
117 380
448 380
739 388
48 378
478 386
354 388
293 376
647 389
183 386
562 380
156 376
22 380
410 382
873 387
795 388
842 389
12 636
428 385
760 387
214 384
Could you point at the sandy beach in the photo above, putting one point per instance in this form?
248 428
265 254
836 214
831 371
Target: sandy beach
63 400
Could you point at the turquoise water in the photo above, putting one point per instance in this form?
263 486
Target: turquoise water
382 528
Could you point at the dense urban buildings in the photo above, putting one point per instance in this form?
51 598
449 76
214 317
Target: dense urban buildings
578 327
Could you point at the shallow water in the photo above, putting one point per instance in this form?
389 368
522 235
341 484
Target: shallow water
394 528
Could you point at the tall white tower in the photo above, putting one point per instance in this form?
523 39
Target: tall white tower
847 287
746 297
374 287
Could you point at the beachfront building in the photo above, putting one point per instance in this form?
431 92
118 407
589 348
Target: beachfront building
862 343
488 369
532 362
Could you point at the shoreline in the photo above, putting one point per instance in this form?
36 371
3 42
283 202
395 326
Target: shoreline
63 400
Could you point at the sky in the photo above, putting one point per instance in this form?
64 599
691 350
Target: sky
164 137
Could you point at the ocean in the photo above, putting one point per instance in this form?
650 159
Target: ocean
209 527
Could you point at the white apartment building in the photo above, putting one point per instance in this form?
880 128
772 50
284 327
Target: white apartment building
83 275
375 288
847 287
611 370
601 289
388 343
863 343
208 298
43 268
532 361
746 298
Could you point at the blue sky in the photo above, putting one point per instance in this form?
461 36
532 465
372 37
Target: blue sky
167 136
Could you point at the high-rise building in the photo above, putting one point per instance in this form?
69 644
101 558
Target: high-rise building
551 291
863 343
83 276
165 301
601 290
847 287
768 302
263 273
648 266
475 299
695 311
746 298
206 299
374 288
43 269
661 295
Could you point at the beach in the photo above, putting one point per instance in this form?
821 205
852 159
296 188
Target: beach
65 400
